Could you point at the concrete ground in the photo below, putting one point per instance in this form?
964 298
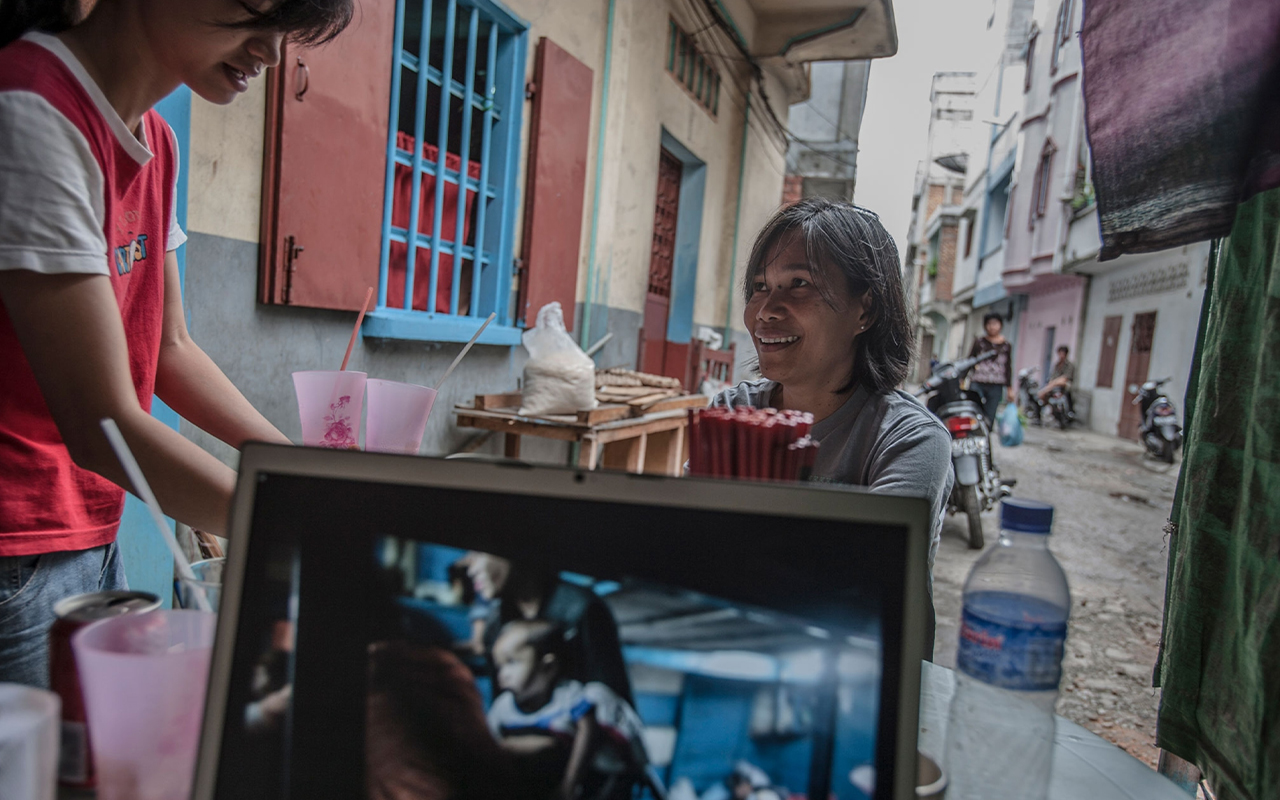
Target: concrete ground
1111 506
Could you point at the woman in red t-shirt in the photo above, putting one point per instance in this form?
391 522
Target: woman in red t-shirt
91 319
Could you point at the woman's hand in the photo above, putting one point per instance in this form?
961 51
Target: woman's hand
194 386
1012 394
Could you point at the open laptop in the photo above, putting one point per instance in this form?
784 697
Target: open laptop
407 627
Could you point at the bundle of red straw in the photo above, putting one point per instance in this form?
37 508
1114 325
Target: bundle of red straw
755 443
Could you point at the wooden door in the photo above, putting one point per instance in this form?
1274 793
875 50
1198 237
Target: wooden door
1107 357
926 355
657 304
1049 358
1144 329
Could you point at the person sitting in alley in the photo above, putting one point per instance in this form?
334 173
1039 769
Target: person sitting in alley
1063 374
827 312
597 733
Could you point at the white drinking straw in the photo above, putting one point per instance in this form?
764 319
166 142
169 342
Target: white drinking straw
143 490
449 371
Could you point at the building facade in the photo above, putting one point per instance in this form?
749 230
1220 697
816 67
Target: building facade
1124 321
1051 156
823 155
932 236
991 155
619 157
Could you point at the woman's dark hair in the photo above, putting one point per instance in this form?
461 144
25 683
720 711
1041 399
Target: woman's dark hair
848 241
19 16
305 21
992 316
309 22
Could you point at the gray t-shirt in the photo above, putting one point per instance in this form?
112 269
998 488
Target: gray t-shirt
888 443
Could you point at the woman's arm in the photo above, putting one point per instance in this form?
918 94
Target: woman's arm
194 386
70 330
579 756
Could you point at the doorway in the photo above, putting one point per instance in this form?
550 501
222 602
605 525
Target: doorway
657 301
1050 338
1144 331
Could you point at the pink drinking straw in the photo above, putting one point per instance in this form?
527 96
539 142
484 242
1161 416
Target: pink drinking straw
363 308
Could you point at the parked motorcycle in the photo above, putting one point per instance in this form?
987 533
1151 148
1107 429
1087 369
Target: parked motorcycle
1159 429
1029 389
977 485
1033 407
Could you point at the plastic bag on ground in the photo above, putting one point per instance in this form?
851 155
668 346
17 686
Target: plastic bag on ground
1010 426
559 378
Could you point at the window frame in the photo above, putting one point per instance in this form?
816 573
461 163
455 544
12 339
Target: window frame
1040 185
693 70
1030 59
1061 33
500 106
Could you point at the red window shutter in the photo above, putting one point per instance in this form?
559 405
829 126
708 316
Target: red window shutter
325 166
560 129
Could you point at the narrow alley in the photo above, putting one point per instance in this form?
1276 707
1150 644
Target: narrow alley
1111 507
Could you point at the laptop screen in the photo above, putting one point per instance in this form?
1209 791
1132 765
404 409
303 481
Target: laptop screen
410 641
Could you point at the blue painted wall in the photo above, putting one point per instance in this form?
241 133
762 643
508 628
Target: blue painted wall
147 563
684 273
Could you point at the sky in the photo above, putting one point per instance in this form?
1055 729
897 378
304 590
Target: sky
933 36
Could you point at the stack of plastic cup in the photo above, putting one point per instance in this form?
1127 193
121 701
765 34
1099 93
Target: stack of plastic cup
397 416
143 678
329 404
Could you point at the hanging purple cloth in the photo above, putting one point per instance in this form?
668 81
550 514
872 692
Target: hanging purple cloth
1182 104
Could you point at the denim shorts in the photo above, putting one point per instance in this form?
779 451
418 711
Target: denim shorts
29 587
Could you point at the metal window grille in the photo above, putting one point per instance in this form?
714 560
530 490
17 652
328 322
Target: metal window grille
453 141
692 70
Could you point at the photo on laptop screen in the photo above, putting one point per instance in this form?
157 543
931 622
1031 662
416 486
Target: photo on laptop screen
384 653
605 689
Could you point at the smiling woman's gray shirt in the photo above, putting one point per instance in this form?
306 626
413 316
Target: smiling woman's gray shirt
886 442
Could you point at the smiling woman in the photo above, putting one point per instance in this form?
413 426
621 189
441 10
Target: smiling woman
826 310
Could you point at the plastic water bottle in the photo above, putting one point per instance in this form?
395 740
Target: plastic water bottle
1013 628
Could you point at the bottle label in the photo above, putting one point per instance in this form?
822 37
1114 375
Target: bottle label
1026 656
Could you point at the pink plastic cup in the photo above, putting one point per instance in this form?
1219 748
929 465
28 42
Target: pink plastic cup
329 403
143 678
397 416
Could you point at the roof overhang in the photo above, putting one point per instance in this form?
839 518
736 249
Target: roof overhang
792 33
799 31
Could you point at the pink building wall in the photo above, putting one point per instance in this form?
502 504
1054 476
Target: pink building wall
1058 307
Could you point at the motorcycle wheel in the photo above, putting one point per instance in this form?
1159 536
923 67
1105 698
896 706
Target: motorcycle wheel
1060 417
973 510
1166 451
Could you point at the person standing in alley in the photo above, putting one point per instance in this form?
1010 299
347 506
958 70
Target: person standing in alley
994 377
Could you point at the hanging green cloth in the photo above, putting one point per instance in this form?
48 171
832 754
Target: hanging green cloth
1219 663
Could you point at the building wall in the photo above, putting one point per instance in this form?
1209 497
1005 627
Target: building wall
1059 308
1177 310
259 346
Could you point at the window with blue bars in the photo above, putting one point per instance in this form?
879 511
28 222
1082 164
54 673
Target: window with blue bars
457 93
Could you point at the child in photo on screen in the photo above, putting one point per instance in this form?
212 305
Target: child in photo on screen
538 711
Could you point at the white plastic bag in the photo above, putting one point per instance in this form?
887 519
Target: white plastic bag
558 377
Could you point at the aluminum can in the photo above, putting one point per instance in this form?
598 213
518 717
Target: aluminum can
75 759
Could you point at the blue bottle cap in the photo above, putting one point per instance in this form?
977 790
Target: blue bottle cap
1026 516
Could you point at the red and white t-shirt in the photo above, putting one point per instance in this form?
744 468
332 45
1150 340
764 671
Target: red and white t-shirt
79 193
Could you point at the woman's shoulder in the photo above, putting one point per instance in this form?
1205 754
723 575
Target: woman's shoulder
901 413
754 394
